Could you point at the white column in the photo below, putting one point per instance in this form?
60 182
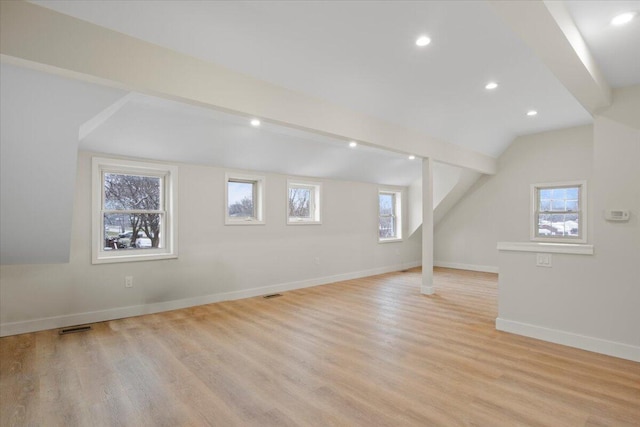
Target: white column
427 227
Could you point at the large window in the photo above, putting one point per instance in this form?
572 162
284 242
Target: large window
133 211
303 202
389 215
559 212
244 199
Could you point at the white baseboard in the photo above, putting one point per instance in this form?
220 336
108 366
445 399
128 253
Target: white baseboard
41 324
597 345
471 267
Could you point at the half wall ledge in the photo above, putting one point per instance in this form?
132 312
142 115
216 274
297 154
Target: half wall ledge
544 247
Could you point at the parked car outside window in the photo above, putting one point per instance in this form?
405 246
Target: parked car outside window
143 242
124 240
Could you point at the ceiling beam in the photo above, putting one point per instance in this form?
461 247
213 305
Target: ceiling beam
35 36
549 30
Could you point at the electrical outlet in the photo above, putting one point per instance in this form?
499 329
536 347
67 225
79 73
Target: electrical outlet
543 260
316 260
128 281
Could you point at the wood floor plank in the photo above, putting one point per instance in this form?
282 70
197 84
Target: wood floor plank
18 381
368 352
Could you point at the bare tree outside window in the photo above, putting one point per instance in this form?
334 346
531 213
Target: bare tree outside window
387 227
389 215
244 195
299 202
243 208
133 205
134 211
240 199
303 202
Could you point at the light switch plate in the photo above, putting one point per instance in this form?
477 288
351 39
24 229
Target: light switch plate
543 260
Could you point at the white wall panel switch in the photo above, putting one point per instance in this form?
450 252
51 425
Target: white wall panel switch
543 260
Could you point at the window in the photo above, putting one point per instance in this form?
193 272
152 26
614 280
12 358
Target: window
303 202
244 199
559 212
134 213
390 215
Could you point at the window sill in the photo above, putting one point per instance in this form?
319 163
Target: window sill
244 222
133 258
556 248
303 222
391 240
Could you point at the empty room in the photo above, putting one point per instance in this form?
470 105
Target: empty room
319 213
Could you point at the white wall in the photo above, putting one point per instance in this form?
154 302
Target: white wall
586 301
465 180
450 184
496 208
215 261
590 302
614 272
445 177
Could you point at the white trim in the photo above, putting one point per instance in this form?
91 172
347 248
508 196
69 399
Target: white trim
169 174
260 197
610 348
389 240
470 267
26 326
552 248
582 210
398 208
315 205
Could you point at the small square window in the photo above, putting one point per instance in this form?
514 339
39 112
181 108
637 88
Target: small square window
389 215
244 196
559 212
303 202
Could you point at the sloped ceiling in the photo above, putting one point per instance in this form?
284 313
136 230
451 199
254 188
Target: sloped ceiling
616 49
154 128
362 55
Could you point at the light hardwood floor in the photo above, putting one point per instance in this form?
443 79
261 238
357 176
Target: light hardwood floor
367 352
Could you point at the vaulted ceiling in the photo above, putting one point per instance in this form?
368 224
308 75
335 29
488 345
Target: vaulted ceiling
362 55
149 127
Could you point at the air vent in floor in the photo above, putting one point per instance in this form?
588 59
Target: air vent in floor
74 329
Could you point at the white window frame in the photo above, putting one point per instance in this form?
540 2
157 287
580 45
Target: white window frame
581 212
258 199
169 210
397 214
315 204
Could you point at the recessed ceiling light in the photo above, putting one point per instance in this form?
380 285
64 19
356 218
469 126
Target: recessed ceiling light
255 122
623 18
423 41
412 157
353 144
491 85
532 113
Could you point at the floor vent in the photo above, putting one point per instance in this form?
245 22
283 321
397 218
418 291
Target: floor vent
272 296
74 329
